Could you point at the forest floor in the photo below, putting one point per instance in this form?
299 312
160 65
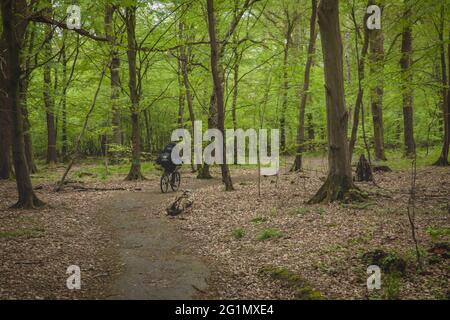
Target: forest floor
236 245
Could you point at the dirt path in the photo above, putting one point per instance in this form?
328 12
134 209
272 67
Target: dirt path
154 262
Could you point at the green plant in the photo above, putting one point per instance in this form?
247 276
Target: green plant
303 290
258 220
269 234
391 286
438 234
300 211
238 233
25 233
320 211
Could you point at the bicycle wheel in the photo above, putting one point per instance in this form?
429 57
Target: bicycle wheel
175 181
164 183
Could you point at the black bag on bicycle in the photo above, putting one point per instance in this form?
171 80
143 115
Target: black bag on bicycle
165 158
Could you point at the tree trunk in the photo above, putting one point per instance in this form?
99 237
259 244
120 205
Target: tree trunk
376 40
310 129
203 171
443 158
184 59
218 89
339 184
235 90
181 95
114 69
284 104
48 95
23 87
64 141
14 27
148 131
5 119
135 170
361 73
363 170
304 92
407 77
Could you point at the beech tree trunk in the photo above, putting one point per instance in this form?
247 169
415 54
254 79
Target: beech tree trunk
443 158
184 60
114 69
304 92
135 170
289 29
339 184
14 28
376 41
407 77
203 170
361 74
64 137
218 89
5 119
49 100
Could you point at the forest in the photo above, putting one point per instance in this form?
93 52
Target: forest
349 100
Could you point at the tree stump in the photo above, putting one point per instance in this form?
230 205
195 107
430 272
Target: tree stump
363 170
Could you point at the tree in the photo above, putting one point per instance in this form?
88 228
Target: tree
130 21
376 57
291 20
23 88
5 121
361 61
339 184
114 70
218 89
14 15
443 158
407 78
304 91
49 100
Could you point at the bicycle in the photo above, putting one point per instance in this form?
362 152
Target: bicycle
170 178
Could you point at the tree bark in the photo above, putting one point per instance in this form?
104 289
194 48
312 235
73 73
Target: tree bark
181 95
114 69
289 28
407 77
361 73
184 60
304 92
443 158
339 184
48 94
5 119
14 28
203 170
218 89
376 40
135 170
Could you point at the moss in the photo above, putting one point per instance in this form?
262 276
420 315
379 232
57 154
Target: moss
302 289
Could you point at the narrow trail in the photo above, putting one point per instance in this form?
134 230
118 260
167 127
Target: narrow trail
154 262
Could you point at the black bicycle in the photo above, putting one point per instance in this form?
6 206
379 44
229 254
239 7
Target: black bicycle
170 178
